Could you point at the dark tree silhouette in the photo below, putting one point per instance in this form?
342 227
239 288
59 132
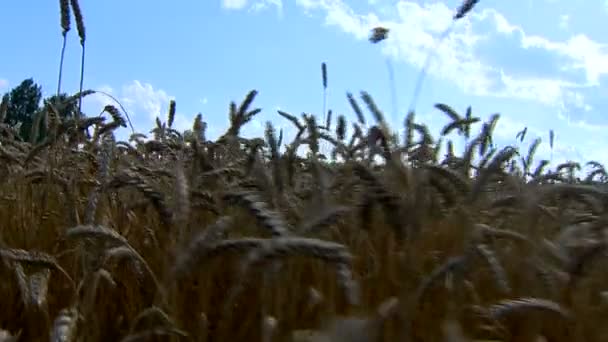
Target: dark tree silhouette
65 106
23 104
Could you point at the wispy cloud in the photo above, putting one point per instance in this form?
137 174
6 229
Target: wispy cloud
564 21
143 98
340 14
265 4
142 102
3 84
234 4
471 56
489 56
256 5
580 53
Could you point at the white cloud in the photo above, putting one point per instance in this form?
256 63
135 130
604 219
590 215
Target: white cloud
564 21
507 128
142 102
144 98
584 54
234 4
181 122
256 6
96 102
415 34
254 128
416 29
3 84
264 4
548 91
419 27
580 51
340 14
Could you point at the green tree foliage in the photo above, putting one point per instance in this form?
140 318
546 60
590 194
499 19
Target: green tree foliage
23 104
64 104
26 109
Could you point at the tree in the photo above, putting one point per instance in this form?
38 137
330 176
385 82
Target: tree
64 106
23 103
24 106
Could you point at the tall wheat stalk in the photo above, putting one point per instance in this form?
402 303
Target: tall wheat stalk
324 83
380 34
82 34
461 12
64 7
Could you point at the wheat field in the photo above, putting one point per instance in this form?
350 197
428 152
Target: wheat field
175 237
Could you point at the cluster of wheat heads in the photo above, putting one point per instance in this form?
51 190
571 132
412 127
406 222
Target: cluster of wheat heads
173 236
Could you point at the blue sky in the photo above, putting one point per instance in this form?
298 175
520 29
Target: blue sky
541 64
